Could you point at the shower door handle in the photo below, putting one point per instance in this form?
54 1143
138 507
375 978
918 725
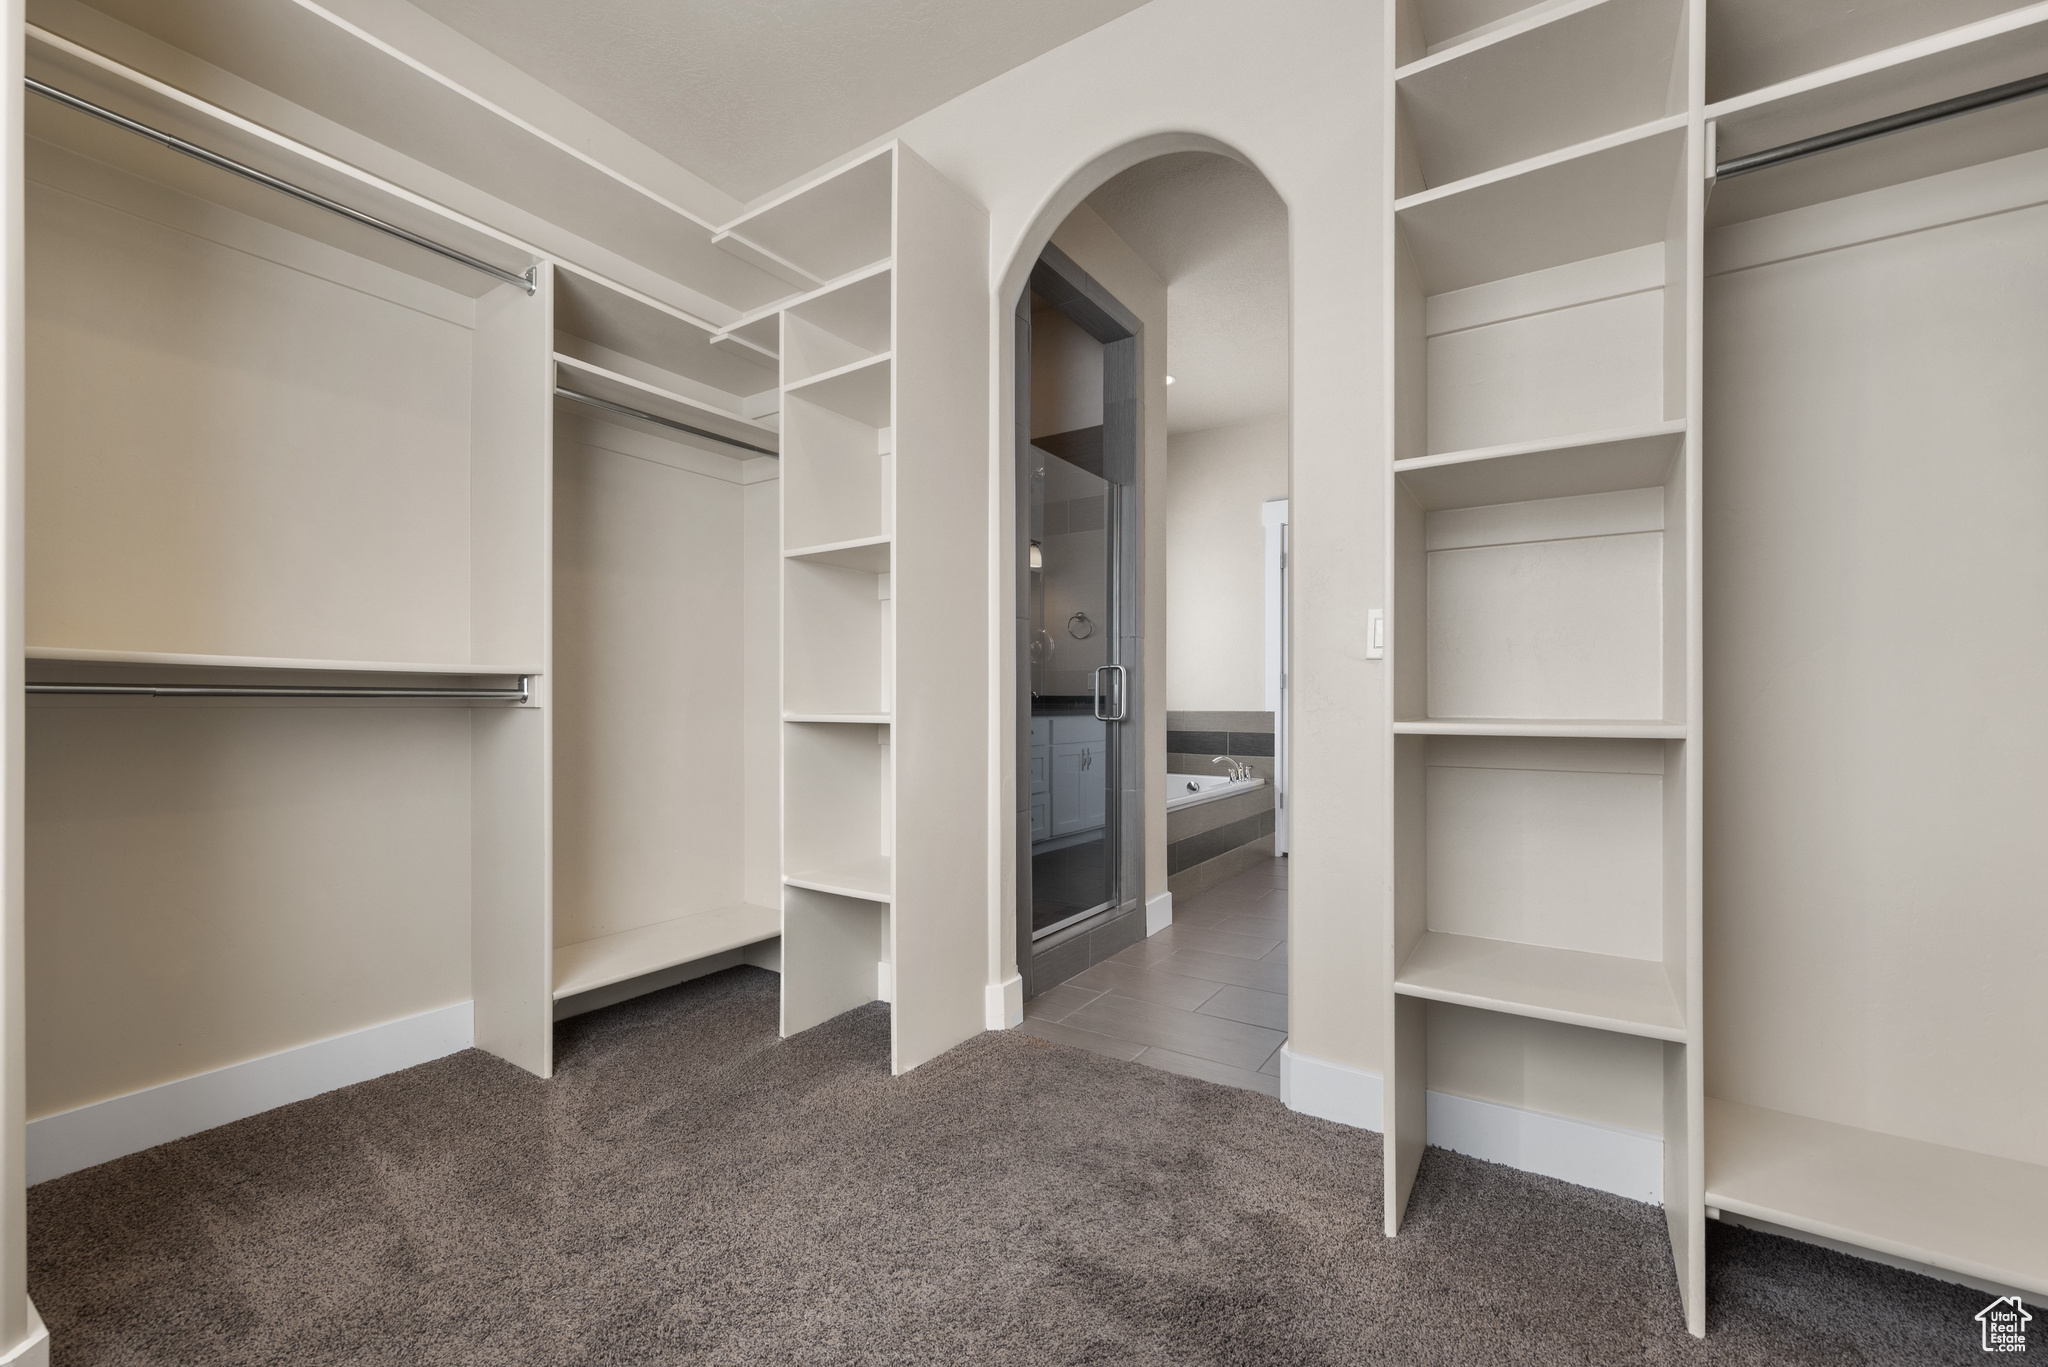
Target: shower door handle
1118 693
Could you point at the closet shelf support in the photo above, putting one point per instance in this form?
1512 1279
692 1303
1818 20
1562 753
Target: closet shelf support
525 281
1877 128
523 693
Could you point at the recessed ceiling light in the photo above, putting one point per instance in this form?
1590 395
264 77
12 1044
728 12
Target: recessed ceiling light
1169 379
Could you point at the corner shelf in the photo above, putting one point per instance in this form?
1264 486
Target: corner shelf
600 383
1969 1213
1552 79
1594 199
868 553
1516 726
1561 467
1603 991
823 228
610 959
868 879
859 391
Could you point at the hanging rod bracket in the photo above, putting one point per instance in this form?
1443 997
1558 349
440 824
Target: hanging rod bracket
527 282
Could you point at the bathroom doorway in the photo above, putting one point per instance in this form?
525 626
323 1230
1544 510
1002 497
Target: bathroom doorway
1080 678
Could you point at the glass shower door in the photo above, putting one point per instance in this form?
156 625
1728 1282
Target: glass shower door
1076 694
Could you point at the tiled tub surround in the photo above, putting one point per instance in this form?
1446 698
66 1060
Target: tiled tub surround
1216 841
1207 996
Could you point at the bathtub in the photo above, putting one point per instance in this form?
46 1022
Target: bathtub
1192 790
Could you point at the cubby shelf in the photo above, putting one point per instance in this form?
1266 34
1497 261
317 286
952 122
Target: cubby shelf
647 949
1556 78
868 553
1594 199
1969 1213
1603 991
1516 726
868 879
822 229
172 659
1589 463
760 330
840 718
600 383
859 390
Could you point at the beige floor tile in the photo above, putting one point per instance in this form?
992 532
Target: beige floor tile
1207 1070
1249 1005
1183 1032
1262 974
1146 984
1082 1039
1219 942
1058 1002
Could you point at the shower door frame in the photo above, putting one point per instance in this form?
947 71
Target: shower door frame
1060 282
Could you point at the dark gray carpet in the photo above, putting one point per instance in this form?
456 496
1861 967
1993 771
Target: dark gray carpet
690 1189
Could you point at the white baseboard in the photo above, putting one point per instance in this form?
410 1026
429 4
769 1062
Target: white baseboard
106 1130
1006 1003
1623 1162
1158 912
1332 1091
34 1348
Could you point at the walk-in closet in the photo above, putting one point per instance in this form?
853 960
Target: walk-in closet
1714 451
499 601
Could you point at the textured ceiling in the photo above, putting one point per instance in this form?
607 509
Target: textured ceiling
750 94
1216 233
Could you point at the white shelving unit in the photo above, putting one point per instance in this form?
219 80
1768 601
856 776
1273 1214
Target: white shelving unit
883 700
1553 214
1545 181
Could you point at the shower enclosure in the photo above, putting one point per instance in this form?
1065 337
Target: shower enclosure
1081 858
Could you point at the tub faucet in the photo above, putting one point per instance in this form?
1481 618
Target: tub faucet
1239 771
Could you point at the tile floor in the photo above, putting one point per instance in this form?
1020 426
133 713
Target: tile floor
1207 996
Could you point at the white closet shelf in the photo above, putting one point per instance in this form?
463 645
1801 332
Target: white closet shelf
1976 57
1552 79
1520 726
1595 199
2004 47
761 328
609 385
842 718
1587 463
611 959
1968 1213
1603 991
83 655
859 391
823 228
869 553
414 106
868 879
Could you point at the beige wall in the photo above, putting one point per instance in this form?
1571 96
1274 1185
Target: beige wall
1217 482
1104 255
220 408
1280 86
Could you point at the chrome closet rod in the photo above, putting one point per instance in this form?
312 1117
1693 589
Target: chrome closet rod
320 201
1877 128
523 693
607 404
